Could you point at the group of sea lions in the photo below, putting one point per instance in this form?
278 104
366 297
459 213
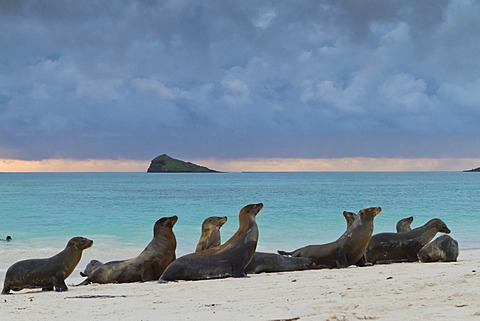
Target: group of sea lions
237 256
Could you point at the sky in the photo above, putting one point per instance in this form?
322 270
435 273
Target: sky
388 84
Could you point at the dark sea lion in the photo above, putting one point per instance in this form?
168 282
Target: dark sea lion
403 247
48 274
348 249
228 259
350 217
147 266
404 224
92 265
443 249
273 262
210 236
7 239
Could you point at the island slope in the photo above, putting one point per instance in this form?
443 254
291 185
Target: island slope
167 164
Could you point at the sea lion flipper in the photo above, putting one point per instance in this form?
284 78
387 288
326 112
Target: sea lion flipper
284 252
363 262
60 285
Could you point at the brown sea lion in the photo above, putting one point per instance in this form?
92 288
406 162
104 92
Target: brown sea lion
404 224
348 249
48 274
147 266
210 236
228 259
443 249
403 247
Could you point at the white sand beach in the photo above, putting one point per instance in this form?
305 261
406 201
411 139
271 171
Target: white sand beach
404 291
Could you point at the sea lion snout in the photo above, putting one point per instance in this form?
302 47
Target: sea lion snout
174 220
442 227
258 207
86 243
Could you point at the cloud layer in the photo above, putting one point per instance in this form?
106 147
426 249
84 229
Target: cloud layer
239 79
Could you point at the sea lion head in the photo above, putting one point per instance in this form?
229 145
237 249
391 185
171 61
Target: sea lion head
251 209
349 217
213 221
167 222
403 225
440 225
368 213
79 243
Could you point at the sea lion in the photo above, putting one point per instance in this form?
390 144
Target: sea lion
147 266
49 273
404 224
210 236
350 217
403 247
273 262
443 249
228 259
348 249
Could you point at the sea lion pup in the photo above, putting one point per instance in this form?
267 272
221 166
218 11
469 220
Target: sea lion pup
228 259
48 274
404 224
210 233
443 249
403 247
147 266
348 249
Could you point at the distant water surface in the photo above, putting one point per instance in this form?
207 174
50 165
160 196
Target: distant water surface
41 211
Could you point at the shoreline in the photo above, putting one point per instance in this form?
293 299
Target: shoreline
411 291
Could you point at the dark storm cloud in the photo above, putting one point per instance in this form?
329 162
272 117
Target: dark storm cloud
227 79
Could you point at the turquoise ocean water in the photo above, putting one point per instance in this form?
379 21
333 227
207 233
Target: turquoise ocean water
41 211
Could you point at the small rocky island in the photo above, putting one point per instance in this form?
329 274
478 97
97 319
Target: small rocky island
472 170
167 164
